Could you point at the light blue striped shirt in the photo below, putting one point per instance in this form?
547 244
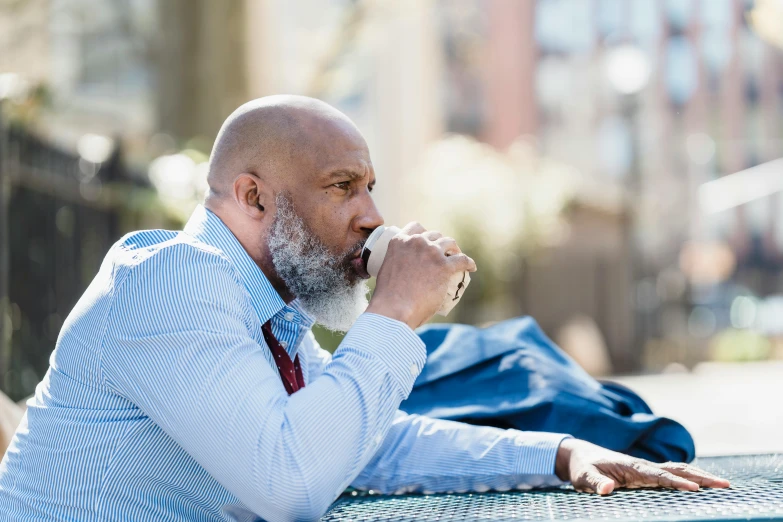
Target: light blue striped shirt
162 402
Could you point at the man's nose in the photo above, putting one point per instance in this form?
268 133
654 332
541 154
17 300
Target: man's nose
368 219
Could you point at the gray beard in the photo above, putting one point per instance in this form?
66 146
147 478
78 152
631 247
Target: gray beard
327 286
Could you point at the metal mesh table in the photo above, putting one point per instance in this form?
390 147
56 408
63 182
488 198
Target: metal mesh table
756 493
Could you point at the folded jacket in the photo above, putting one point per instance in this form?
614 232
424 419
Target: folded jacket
511 375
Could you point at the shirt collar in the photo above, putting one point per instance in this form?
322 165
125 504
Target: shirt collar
207 227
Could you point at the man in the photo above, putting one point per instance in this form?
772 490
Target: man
186 384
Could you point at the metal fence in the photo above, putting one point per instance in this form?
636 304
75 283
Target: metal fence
56 224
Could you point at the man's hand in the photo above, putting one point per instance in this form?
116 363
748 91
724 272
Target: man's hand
414 277
594 469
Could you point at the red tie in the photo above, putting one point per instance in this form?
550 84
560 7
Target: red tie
290 372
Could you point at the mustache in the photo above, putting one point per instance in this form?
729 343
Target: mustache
344 263
354 250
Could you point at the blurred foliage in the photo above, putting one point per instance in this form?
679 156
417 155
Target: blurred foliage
328 339
180 178
24 107
501 206
740 345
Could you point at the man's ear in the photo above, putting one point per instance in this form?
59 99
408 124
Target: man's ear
251 194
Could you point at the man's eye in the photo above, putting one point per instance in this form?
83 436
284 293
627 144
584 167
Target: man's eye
342 185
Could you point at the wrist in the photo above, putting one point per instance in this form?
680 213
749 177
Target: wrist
563 459
398 312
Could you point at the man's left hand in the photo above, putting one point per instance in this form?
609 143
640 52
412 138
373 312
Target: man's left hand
594 469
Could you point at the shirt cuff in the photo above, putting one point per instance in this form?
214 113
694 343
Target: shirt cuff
538 453
394 343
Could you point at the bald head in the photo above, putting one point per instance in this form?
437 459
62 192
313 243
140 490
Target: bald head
293 163
274 138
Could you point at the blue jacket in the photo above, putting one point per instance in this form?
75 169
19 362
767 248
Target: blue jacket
511 375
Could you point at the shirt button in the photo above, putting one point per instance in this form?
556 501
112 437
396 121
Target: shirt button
284 344
289 316
378 439
414 370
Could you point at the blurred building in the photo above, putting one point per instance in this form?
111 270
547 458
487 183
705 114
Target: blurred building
708 101
709 104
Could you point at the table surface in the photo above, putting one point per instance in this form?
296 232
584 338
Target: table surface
729 408
756 493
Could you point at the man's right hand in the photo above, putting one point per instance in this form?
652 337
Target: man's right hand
414 277
593 469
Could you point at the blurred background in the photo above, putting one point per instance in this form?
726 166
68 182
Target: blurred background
614 166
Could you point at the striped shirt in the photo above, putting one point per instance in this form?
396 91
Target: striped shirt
162 402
